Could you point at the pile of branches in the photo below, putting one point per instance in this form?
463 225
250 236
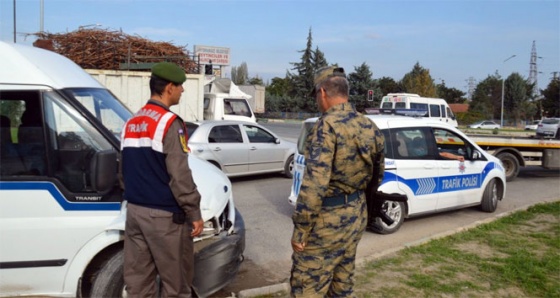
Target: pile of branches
105 49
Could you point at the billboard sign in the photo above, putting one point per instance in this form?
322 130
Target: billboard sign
218 55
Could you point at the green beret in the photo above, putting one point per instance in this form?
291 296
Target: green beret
170 72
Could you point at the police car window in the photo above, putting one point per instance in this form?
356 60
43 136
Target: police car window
448 141
411 143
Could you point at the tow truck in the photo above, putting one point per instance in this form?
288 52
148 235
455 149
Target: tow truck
520 151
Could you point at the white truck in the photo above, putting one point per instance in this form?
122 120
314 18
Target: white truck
61 210
205 97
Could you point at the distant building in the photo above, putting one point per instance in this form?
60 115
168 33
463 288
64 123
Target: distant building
459 107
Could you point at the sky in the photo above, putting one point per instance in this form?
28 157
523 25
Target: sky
456 40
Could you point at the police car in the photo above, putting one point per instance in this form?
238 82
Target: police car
415 168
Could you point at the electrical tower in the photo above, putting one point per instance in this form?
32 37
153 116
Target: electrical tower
470 88
533 71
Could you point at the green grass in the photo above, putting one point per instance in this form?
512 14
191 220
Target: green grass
514 256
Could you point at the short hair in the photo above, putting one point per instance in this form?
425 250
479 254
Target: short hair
335 86
157 85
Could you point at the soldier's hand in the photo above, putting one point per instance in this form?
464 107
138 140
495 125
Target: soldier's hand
197 228
299 247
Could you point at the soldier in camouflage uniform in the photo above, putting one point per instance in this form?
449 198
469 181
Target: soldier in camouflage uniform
331 213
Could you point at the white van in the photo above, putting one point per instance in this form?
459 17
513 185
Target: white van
414 168
62 216
436 108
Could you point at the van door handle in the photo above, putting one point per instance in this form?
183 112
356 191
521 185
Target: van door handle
429 166
253 148
217 149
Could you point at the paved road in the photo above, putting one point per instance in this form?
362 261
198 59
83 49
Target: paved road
263 202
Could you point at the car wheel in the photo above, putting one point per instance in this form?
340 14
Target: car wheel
490 197
511 165
289 167
109 281
396 211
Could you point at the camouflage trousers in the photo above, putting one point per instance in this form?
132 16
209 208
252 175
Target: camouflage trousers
326 266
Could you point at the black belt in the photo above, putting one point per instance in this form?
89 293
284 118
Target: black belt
341 199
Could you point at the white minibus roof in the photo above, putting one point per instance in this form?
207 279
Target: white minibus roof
27 65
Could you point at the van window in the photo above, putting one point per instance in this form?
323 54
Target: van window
387 105
58 143
420 106
434 111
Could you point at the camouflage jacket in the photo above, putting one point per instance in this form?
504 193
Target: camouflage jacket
340 153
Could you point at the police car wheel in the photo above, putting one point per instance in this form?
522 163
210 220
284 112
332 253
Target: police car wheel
396 211
109 282
490 197
289 167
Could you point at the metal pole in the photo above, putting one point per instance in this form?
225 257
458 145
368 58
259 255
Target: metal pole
14 21
41 15
503 85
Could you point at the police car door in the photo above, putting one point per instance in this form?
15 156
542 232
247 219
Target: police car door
460 182
414 169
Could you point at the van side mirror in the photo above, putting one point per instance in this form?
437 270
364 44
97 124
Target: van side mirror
103 168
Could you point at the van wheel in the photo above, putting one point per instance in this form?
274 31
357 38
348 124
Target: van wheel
289 167
109 281
490 197
396 211
511 165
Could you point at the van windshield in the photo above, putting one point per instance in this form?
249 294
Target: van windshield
103 106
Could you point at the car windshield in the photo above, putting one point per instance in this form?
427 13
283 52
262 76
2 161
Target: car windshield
550 121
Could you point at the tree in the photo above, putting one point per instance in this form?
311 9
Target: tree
388 85
360 82
240 75
279 86
515 97
303 79
551 100
486 99
256 81
451 95
419 81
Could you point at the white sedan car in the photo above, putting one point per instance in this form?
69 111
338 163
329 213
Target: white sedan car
485 125
241 148
415 168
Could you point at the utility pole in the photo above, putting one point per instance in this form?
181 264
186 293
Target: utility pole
14 21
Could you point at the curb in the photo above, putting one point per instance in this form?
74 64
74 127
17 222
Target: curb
278 290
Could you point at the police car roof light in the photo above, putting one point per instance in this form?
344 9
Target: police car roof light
411 112
401 112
